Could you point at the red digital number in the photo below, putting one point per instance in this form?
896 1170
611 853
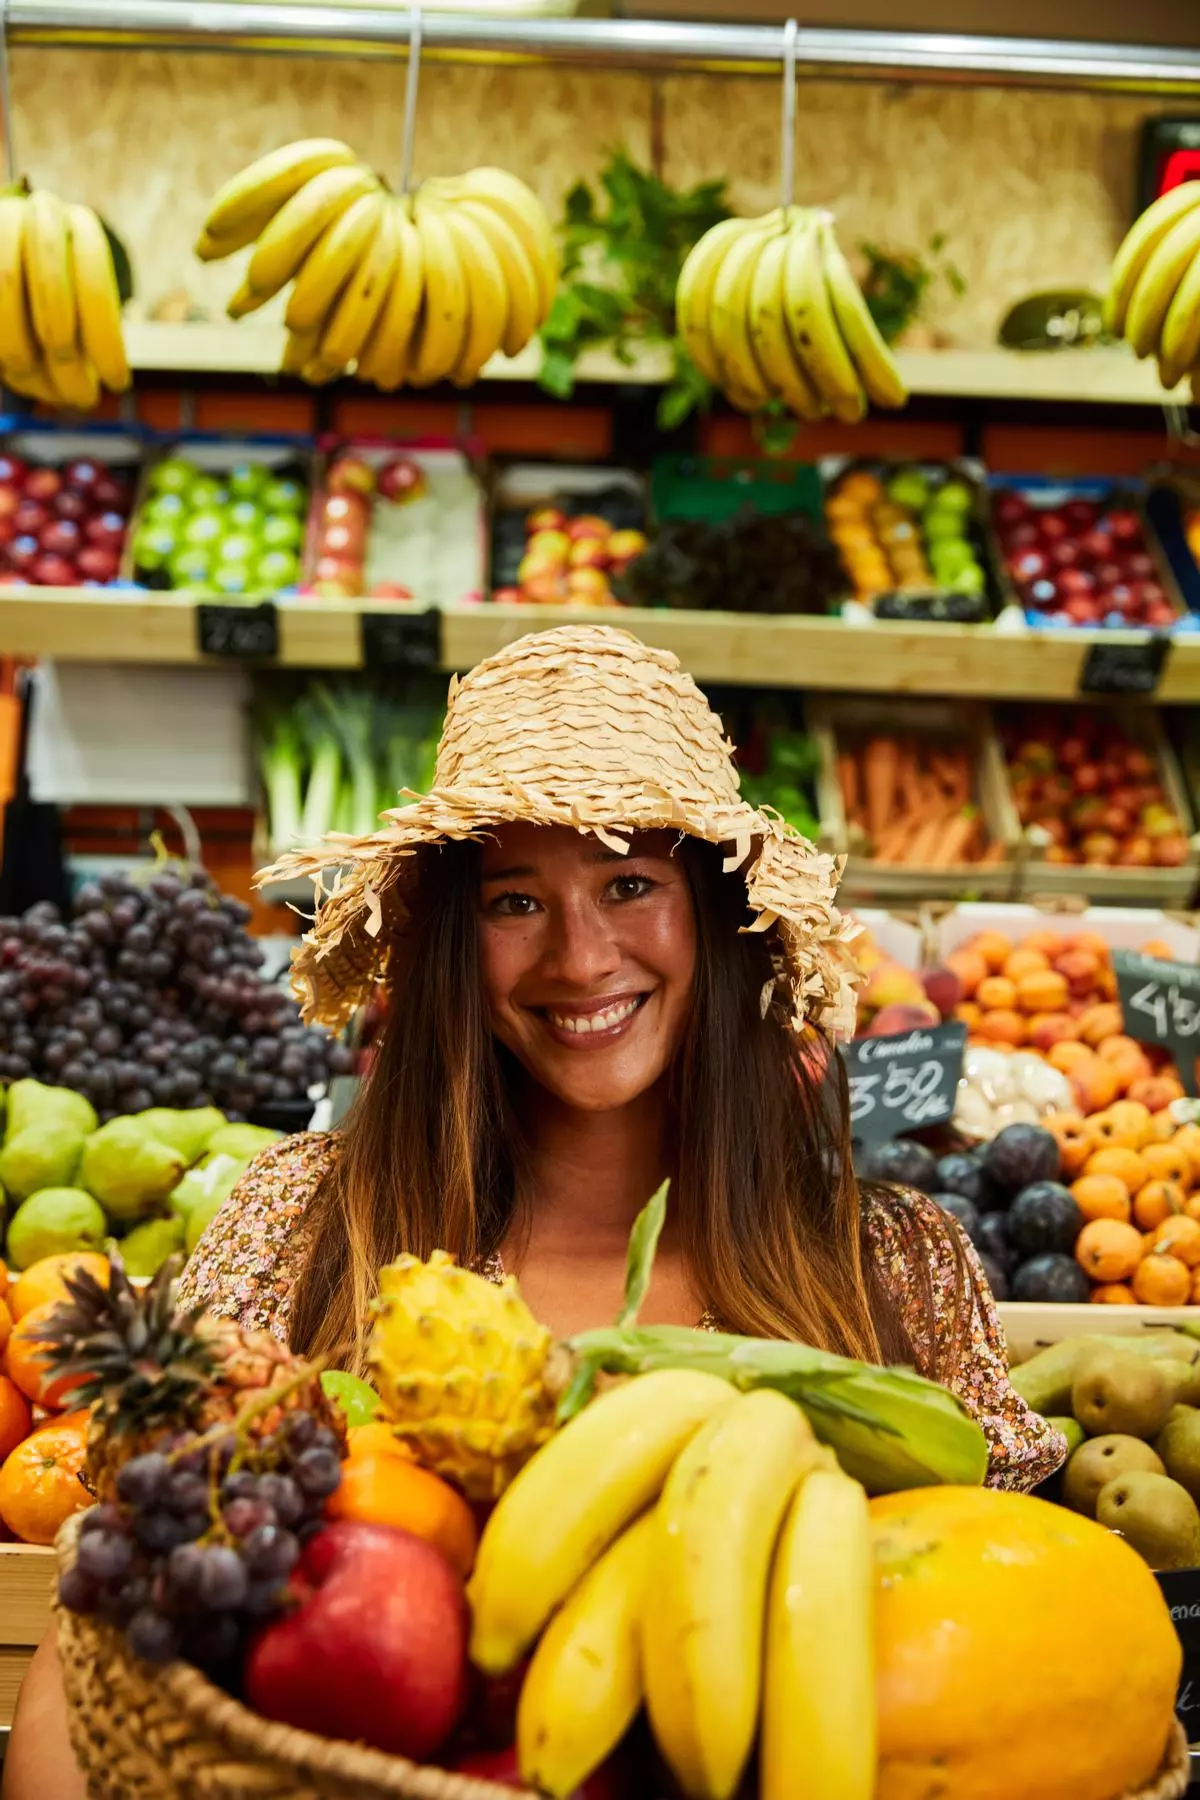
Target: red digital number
1179 166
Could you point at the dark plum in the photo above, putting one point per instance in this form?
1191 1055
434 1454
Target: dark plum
962 1173
1044 1217
994 1241
1020 1155
902 1163
997 1279
962 1209
1052 1279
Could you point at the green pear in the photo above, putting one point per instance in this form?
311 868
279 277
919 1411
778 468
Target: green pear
146 1248
1178 1443
33 1103
52 1222
243 1141
187 1132
198 1218
128 1172
1045 1381
1099 1461
1155 1515
1128 1395
215 1175
1071 1429
41 1156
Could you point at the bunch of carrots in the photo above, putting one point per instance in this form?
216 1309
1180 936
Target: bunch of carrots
912 800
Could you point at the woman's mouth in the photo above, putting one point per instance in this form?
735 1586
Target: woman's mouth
586 1027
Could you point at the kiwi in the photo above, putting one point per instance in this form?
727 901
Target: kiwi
1100 1461
1156 1516
1128 1395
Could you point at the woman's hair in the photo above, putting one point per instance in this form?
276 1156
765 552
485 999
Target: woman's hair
769 1213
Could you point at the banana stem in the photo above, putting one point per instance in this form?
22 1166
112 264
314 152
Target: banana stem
788 145
411 83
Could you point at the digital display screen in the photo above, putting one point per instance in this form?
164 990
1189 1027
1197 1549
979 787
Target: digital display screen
1170 155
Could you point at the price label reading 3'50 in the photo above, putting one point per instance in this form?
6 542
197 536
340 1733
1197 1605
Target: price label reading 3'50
920 1093
903 1083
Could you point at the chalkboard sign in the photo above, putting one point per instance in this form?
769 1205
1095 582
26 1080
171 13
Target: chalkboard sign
903 1083
402 640
237 630
1181 1591
1125 668
1160 1003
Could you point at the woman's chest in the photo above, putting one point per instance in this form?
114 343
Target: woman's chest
572 1292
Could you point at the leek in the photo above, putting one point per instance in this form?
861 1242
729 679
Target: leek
324 775
351 714
281 762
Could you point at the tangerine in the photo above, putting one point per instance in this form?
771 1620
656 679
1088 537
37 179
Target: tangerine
1162 1280
1126 1123
993 947
1102 1196
1113 1293
25 1361
1076 1141
1003 1026
970 969
1025 961
1099 1022
16 1419
1157 1202
1109 1250
376 1439
1179 1236
1167 1162
1113 1159
383 1489
43 1281
1163 1127
1187 1139
41 1485
996 994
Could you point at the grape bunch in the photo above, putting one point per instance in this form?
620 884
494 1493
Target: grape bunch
195 1552
149 994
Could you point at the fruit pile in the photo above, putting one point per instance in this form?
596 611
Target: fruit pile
769 310
571 556
237 532
60 309
911 800
361 504
750 562
1128 1407
1153 298
908 543
1133 1175
396 288
1079 561
148 994
1087 793
61 527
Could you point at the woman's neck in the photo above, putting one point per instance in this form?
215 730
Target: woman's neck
589 1174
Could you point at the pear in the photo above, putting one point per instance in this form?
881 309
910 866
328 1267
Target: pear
1155 1515
1127 1395
1045 1381
33 1103
187 1132
215 1176
198 1218
243 1141
1099 1461
146 1248
1178 1443
56 1220
128 1172
1071 1429
41 1156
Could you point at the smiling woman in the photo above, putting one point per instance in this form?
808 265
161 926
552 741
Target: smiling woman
603 968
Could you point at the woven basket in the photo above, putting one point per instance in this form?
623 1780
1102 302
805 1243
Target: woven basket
141 1733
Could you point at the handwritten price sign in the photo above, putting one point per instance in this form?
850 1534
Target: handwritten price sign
903 1083
1160 1002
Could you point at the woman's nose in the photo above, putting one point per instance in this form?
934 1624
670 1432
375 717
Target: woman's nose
580 949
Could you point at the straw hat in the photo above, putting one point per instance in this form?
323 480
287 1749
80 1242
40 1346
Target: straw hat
587 727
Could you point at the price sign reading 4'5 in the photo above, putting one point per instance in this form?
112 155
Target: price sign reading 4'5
903 1083
1160 1002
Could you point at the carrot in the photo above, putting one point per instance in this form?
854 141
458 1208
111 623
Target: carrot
847 769
996 852
908 775
890 845
922 844
955 840
880 763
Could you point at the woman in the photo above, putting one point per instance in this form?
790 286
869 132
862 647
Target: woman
603 968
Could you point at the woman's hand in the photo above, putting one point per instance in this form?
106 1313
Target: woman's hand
40 1762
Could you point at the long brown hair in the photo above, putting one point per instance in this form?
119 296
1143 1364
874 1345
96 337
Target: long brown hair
772 1225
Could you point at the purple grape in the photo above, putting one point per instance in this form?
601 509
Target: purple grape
152 1637
282 1493
223 1579
104 1556
143 1479
105 1517
185 1566
270 1551
318 1472
246 1514
158 1532
77 1591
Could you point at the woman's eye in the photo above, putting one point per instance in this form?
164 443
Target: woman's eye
513 906
632 887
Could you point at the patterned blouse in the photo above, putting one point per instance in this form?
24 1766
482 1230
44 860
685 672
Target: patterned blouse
247 1264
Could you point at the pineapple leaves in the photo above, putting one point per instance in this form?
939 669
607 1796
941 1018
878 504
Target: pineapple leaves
639 1265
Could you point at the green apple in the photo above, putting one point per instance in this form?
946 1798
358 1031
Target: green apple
174 476
909 488
943 527
232 578
283 495
277 569
190 567
154 546
204 528
247 480
970 580
954 496
284 531
238 547
207 492
947 558
243 515
165 509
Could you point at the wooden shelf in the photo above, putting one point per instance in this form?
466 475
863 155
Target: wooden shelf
737 648
1099 377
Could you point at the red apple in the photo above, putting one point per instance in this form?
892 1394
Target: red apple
1010 509
1086 814
1099 847
1087 778
1080 514
8 530
1116 820
1058 789
1081 611
7 581
30 518
1076 581
23 552
1171 852
391 590
345 541
106 528
1096 546
1043 594
1125 527
83 475
351 475
1029 565
70 504
1064 555
1163 613
1140 567
13 471
54 571
96 563
1020 537
61 537
1072 751
589 586
1053 527
545 518
10 499
588 553
376 1650
42 485
1137 852
1153 593
1121 598
109 492
346 509
401 480
589 525
339 568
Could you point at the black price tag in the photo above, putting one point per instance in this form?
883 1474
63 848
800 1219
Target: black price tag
239 631
903 1083
1181 1591
1160 1002
402 640
1124 669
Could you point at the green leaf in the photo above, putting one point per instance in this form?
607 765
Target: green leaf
121 263
557 374
643 1242
580 206
676 403
357 1398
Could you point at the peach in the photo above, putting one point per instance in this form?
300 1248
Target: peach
1100 1022
1050 1028
1003 1026
1024 961
1091 940
892 985
1079 969
970 968
1156 1092
893 1021
1095 1085
1047 943
993 947
997 994
1043 991
968 1014
1068 1055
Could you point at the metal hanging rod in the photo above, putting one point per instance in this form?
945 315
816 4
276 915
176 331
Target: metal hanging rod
365 30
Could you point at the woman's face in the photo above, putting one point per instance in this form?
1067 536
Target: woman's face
587 959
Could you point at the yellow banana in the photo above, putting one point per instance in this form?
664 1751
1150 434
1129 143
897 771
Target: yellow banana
298 224
245 301
520 276
255 193
33 382
874 361
74 381
769 338
1143 236
441 332
571 1500
813 327
1159 281
702 1628
385 354
729 319
350 323
693 295
583 1688
1179 340
332 262
209 248
46 257
98 299
319 373
299 350
487 294
18 350
818 1739
519 205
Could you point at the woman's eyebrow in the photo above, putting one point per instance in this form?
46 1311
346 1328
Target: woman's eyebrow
520 872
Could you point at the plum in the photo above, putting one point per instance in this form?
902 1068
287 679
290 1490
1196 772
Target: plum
1020 1155
962 1209
1052 1279
1044 1217
962 1173
994 1242
997 1280
902 1163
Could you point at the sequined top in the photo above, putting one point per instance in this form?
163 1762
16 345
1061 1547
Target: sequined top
250 1258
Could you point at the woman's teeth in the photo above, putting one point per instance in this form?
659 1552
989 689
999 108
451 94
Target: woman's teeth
587 1022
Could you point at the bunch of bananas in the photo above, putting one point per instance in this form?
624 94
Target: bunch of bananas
694 1550
769 310
60 306
1153 298
398 288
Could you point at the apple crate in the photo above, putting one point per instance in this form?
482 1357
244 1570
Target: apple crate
612 500
84 528
27 1576
428 544
845 722
1172 887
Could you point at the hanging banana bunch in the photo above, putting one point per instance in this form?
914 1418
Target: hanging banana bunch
1153 298
60 303
400 289
768 309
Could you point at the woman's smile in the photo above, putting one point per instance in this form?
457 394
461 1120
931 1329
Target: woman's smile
587 1024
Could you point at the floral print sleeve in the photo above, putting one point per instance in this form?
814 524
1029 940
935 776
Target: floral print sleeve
1023 1448
252 1253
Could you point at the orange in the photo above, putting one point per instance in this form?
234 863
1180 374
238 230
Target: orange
6 1325
1125 1123
1100 1022
25 1361
1187 1139
1179 1236
996 994
1076 1141
1167 1162
978 1595
1163 1128
1162 1280
970 969
1101 1196
3 1278
993 947
16 1419
968 1014
383 1489
1069 1055
1025 961
1003 1026
1126 1165
43 1281
376 1439
1109 1249
40 1483
1157 1202
1113 1293
1042 992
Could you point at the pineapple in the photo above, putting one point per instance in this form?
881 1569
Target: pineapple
152 1372
462 1369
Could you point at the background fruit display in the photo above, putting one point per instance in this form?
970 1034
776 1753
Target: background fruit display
1079 554
910 541
567 546
397 524
62 524
237 529
912 801
60 301
751 562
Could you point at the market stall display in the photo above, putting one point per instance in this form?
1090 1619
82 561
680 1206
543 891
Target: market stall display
396 522
223 517
1079 554
564 535
911 538
65 504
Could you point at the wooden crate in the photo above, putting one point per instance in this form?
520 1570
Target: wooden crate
26 1577
1030 1326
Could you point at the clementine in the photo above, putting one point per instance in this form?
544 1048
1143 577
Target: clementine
996 994
1157 1202
1108 1250
968 1014
1113 1293
1099 1195
1162 1280
1125 1123
993 947
25 1361
1112 1159
1076 1141
1163 1127
1168 1162
1187 1139
1179 1236
1100 1022
16 1419
41 1485
1003 1026
44 1282
1196 1287
383 1489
